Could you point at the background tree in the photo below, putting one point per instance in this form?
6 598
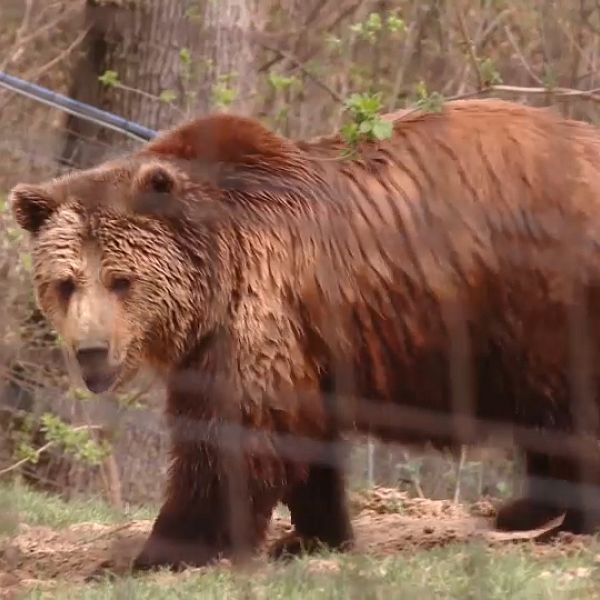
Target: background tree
228 52
157 61
130 64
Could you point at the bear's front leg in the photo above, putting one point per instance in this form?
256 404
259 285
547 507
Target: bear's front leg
214 508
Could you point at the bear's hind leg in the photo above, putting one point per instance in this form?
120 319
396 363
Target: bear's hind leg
535 508
319 514
555 485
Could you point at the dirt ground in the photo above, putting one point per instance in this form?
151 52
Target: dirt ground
385 521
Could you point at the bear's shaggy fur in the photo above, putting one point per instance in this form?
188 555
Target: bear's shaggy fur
436 286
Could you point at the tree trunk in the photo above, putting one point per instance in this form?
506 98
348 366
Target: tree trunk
169 58
229 52
142 43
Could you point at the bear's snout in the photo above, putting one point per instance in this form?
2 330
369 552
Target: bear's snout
96 371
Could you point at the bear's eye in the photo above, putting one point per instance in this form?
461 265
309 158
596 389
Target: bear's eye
65 288
120 284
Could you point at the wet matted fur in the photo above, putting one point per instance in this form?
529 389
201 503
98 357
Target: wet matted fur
287 296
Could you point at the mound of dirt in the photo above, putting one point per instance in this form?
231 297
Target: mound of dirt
388 500
386 521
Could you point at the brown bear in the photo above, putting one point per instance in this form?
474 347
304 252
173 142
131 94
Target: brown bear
437 286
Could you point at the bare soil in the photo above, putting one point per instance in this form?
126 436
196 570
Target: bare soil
385 521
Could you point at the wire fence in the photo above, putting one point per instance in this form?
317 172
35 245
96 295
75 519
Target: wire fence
374 463
36 383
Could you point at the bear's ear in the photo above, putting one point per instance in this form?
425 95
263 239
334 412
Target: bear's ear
31 206
153 188
155 179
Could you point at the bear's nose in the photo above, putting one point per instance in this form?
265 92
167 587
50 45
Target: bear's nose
92 357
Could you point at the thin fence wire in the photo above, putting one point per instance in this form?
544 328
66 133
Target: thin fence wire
42 154
460 421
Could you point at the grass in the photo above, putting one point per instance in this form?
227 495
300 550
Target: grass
461 571
19 503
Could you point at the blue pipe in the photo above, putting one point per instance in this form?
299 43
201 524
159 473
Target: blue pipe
74 107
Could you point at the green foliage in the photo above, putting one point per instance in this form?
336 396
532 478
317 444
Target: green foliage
130 401
366 121
168 96
395 24
281 82
125 400
74 441
189 71
25 451
369 28
374 24
185 56
109 78
488 72
428 101
223 94
80 394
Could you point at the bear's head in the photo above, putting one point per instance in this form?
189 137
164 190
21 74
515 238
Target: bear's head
133 260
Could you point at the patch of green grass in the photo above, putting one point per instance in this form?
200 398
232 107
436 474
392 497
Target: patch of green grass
20 503
468 571
462 571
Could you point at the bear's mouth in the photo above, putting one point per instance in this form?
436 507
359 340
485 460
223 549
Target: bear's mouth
101 381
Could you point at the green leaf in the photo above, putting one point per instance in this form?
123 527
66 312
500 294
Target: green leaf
365 127
382 130
374 22
109 78
81 394
281 82
25 451
396 24
366 122
185 56
168 96
222 95
421 89
488 72
349 133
